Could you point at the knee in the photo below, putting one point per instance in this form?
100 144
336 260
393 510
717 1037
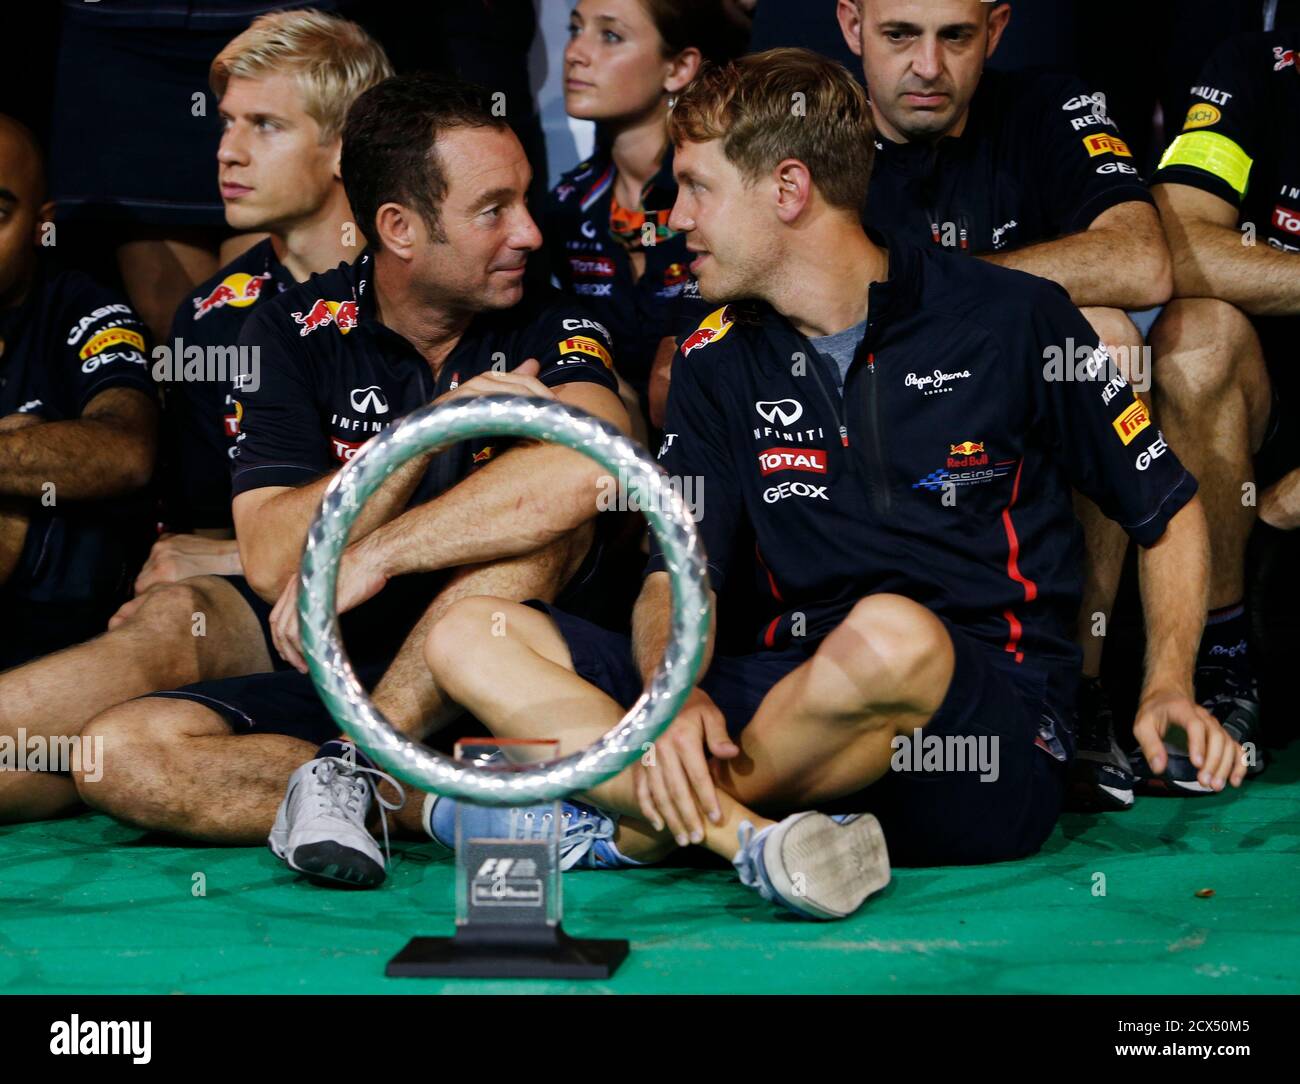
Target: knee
1199 344
169 615
896 650
456 647
122 747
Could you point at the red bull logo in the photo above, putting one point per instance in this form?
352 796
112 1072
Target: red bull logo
714 327
342 314
239 290
969 453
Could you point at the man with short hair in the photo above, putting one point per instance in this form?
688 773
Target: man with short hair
1025 170
434 310
78 428
1228 188
911 517
284 87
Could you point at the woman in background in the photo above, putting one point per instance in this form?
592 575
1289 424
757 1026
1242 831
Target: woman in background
606 222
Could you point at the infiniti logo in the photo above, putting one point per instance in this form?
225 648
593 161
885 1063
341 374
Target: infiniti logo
364 399
788 411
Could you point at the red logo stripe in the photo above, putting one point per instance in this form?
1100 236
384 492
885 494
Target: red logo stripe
1013 567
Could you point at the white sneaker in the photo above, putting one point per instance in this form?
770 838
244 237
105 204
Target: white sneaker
814 865
320 827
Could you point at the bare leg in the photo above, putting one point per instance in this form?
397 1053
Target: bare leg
1279 505
408 695
509 665
825 730
1105 543
154 647
1212 394
173 766
159 271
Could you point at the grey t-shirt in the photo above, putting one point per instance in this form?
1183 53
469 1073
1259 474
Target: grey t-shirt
838 350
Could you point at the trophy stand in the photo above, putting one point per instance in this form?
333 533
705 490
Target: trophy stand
508 890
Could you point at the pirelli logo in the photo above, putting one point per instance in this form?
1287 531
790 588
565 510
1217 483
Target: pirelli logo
581 344
1134 419
1106 144
111 337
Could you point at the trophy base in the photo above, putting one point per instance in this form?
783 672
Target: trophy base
508 952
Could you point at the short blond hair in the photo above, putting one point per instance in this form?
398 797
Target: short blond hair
333 59
784 103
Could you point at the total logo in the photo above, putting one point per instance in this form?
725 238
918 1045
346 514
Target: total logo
342 314
1286 219
365 400
345 450
772 460
794 489
593 266
1154 451
239 290
233 420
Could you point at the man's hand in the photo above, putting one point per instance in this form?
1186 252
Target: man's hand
176 557
520 381
1218 758
676 787
361 577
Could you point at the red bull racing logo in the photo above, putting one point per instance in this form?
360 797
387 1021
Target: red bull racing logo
239 290
714 327
342 314
969 453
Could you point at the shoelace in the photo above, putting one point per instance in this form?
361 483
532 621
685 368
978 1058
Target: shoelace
747 864
344 791
576 827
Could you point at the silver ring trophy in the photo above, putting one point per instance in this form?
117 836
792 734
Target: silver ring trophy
508 887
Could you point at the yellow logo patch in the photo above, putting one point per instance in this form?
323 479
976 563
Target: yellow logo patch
581 344
1106 144
111 336
1134 419
1202 115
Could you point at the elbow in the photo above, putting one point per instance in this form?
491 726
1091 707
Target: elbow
1162 280
263 572
1154 282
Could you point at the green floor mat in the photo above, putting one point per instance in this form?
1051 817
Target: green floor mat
1109 906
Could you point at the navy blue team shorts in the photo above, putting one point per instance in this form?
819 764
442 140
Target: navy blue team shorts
930 818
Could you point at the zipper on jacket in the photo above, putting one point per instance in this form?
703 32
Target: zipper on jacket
880 499
837 408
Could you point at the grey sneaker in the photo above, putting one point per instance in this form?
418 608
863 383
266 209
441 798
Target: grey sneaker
320 827
813 865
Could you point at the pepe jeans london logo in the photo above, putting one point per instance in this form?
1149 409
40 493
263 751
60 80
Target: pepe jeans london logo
935 383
